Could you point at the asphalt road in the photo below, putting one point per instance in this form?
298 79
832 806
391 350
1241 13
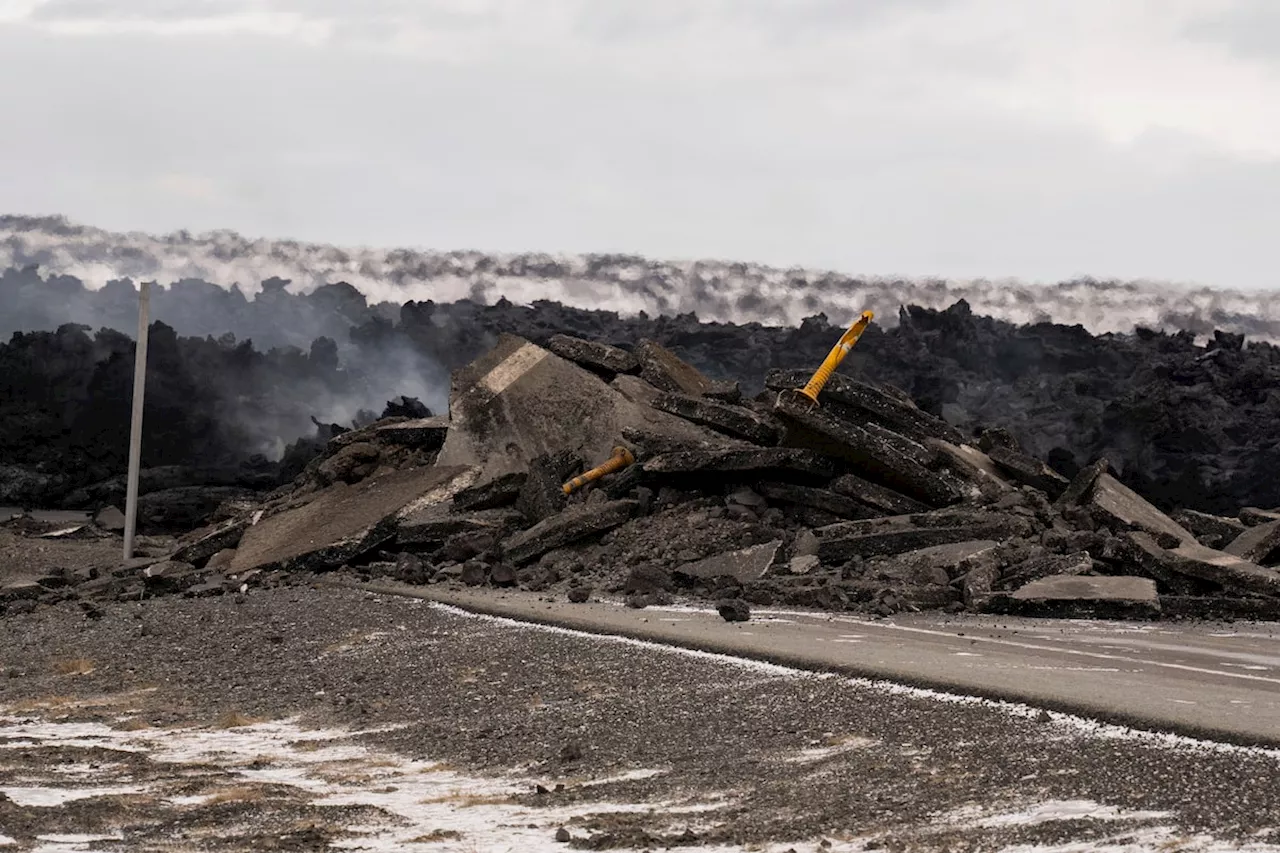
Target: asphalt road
1213 680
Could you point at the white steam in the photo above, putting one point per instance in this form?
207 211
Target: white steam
714 290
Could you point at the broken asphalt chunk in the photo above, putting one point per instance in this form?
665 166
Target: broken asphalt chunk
1117 505
886 500
821 499
597 357
1196 561
498 492
1065 596
574 524
666 371
884 405
1028 471
1082 484
1257 543
894 461
344 521
419 434
777 462
737 421
743 565
1212 531
900 534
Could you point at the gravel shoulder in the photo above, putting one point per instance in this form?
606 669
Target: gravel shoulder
719 751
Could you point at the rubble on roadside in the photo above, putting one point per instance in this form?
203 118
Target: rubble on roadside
858 502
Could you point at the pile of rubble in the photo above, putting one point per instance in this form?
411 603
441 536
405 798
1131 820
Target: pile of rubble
856 501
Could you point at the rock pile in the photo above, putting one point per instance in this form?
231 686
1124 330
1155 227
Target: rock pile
860 502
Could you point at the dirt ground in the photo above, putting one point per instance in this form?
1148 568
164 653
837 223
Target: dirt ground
299 718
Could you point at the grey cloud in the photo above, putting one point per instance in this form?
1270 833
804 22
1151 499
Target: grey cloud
1251 29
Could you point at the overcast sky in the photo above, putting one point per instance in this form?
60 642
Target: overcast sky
1032 138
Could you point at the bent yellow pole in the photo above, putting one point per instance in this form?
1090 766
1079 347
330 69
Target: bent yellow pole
622 457
837 354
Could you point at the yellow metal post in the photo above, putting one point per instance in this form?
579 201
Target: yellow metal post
837 354
622 457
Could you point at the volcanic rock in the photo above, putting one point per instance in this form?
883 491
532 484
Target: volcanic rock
734 610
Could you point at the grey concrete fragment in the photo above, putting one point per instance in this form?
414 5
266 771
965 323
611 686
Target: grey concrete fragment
574 524
1095 595
1028 471
593 355
830 502
1118 505
744 565
1082 484
519 401
344 521
420 433
635 389
737 421
498 492
1256 544
666 371
884 405
110 519
875 457
1196 561
778 462
977 583
880 498
1212 531
803 564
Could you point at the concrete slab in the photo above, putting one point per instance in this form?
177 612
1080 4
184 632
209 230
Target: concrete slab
1120 505
520 401
744 565
345 520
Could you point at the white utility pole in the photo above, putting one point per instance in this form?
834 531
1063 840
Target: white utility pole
135 426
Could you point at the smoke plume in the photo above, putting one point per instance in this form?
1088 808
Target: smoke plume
713 290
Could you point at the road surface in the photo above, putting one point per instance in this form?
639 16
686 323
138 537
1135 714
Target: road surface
1213 680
